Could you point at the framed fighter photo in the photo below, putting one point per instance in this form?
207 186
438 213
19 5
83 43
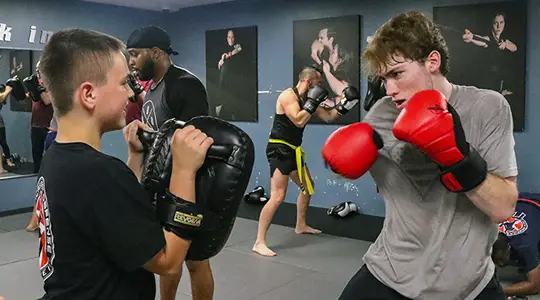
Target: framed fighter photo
334 45
231 73
487 44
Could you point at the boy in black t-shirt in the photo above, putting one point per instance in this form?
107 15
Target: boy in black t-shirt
99 236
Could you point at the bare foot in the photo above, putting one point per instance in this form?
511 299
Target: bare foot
306 230
263 250
32 227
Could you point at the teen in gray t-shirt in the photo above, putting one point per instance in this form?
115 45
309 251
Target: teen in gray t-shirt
435 244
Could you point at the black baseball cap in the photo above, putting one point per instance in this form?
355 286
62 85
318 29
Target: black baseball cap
151 36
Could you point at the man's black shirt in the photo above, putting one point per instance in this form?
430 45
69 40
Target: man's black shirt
97 227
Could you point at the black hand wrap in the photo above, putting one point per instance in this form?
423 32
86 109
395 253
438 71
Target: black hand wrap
220 182
351 96
375 91
135 86
34 88
314 98
18 89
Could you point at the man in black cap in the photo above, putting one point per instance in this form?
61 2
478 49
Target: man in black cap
174 93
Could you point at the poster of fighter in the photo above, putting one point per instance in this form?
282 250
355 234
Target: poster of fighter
231 73
487 44
333 44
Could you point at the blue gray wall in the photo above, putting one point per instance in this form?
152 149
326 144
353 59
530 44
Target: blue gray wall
275 37
274 20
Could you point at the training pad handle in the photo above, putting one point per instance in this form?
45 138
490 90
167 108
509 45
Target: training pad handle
221 152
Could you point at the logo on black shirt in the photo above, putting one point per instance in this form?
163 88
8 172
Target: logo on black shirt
46 238
149 115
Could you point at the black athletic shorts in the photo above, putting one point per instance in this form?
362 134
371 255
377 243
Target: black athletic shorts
364 286
281 157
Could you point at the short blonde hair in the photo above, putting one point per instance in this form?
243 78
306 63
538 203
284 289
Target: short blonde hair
308 73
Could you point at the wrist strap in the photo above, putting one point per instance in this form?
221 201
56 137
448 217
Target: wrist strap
310 106
182 217
465 175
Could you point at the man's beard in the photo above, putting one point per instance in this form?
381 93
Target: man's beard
148 70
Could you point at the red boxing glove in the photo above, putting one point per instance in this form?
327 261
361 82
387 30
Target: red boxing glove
351 150
431 124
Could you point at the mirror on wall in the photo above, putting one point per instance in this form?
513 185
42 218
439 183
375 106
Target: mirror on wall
24 120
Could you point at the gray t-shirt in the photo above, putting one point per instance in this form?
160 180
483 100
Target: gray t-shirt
436 244
155 110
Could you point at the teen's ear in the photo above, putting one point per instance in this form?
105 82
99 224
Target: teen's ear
433 61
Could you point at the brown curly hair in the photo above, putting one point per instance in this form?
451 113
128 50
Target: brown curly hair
411 34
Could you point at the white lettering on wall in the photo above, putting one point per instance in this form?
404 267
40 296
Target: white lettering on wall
5 32
32 38
45 35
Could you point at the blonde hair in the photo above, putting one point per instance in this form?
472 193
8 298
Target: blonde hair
308 73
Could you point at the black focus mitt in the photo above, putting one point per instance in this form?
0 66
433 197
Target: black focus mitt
18 89
219 184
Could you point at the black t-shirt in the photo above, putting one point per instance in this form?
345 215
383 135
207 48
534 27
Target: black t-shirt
97 227
180 95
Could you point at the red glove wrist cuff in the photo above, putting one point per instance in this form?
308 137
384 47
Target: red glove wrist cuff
465 175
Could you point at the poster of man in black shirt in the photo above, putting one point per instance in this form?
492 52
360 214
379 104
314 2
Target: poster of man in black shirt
487 43
333 44
231 73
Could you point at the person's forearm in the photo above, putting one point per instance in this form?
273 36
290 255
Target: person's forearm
169 261
175 251
524 288
182 184
511 46
134 162
5 94
496 197
315 57
336 85
327 115
478 43
301 118
237 49
45 98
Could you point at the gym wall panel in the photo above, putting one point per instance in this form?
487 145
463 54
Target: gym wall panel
275 26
